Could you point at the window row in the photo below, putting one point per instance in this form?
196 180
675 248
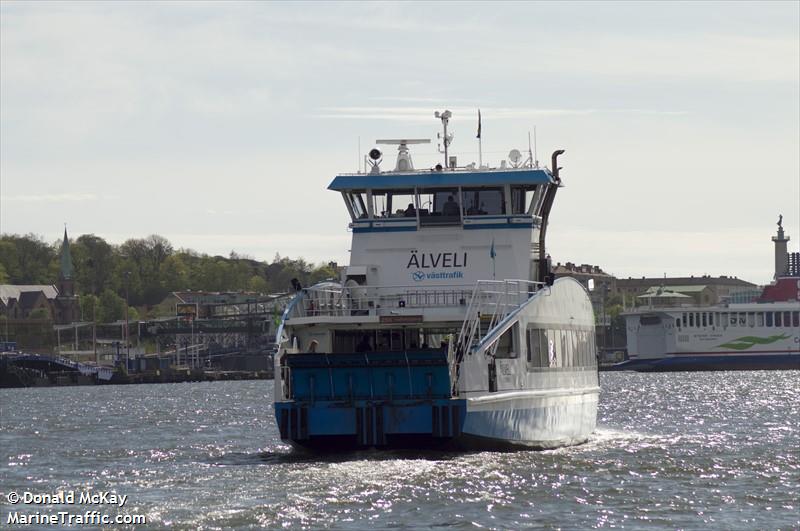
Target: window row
739 319
441 205
560 348
390 340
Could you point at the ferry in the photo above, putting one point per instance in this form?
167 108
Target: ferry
446 330
760 335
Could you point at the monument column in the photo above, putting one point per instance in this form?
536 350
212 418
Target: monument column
781 253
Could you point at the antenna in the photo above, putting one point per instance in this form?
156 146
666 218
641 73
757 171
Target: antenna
535 153
358 167
447 139
530 152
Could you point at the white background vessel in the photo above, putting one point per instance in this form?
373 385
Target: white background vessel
758 335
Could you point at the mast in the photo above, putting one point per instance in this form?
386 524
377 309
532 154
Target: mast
446 139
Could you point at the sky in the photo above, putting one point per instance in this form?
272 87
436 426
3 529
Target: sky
220 125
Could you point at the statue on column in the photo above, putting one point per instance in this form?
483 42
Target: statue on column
780 221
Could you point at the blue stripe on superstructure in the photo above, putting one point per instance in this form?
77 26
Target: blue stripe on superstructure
465 227
384 229
438 179
476 226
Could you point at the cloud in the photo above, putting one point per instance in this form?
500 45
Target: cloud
52 198
424 114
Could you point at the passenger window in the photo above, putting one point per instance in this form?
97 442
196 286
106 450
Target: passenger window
769 318
505 346
778 320
795 319
537 348
759 319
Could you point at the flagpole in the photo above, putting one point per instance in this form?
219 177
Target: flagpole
480 140
492 255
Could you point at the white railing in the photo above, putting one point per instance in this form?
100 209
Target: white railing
333 301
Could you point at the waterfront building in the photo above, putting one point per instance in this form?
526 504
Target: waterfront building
57 302
704 289
604 283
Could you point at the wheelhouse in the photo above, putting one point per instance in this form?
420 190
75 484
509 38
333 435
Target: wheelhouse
446 198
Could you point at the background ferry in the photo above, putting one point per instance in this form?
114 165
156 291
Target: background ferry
764 334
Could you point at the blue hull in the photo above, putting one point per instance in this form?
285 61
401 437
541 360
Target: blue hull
336 426
405 399
437 424
754 362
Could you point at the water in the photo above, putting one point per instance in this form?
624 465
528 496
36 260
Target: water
692 451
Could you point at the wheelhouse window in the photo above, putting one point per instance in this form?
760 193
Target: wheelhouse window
356 204
439 207
522 199
482 201
395 203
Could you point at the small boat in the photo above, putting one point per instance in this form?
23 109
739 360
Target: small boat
446 330
760 335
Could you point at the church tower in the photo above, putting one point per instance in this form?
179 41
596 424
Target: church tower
66 300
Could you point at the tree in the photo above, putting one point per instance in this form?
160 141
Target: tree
9 260
174 273
257 284
30 261
3 275
94 263
89 306
111 307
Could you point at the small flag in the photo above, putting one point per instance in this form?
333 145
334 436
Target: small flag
492 253
479 124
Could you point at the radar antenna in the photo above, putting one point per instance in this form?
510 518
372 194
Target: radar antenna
404 162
